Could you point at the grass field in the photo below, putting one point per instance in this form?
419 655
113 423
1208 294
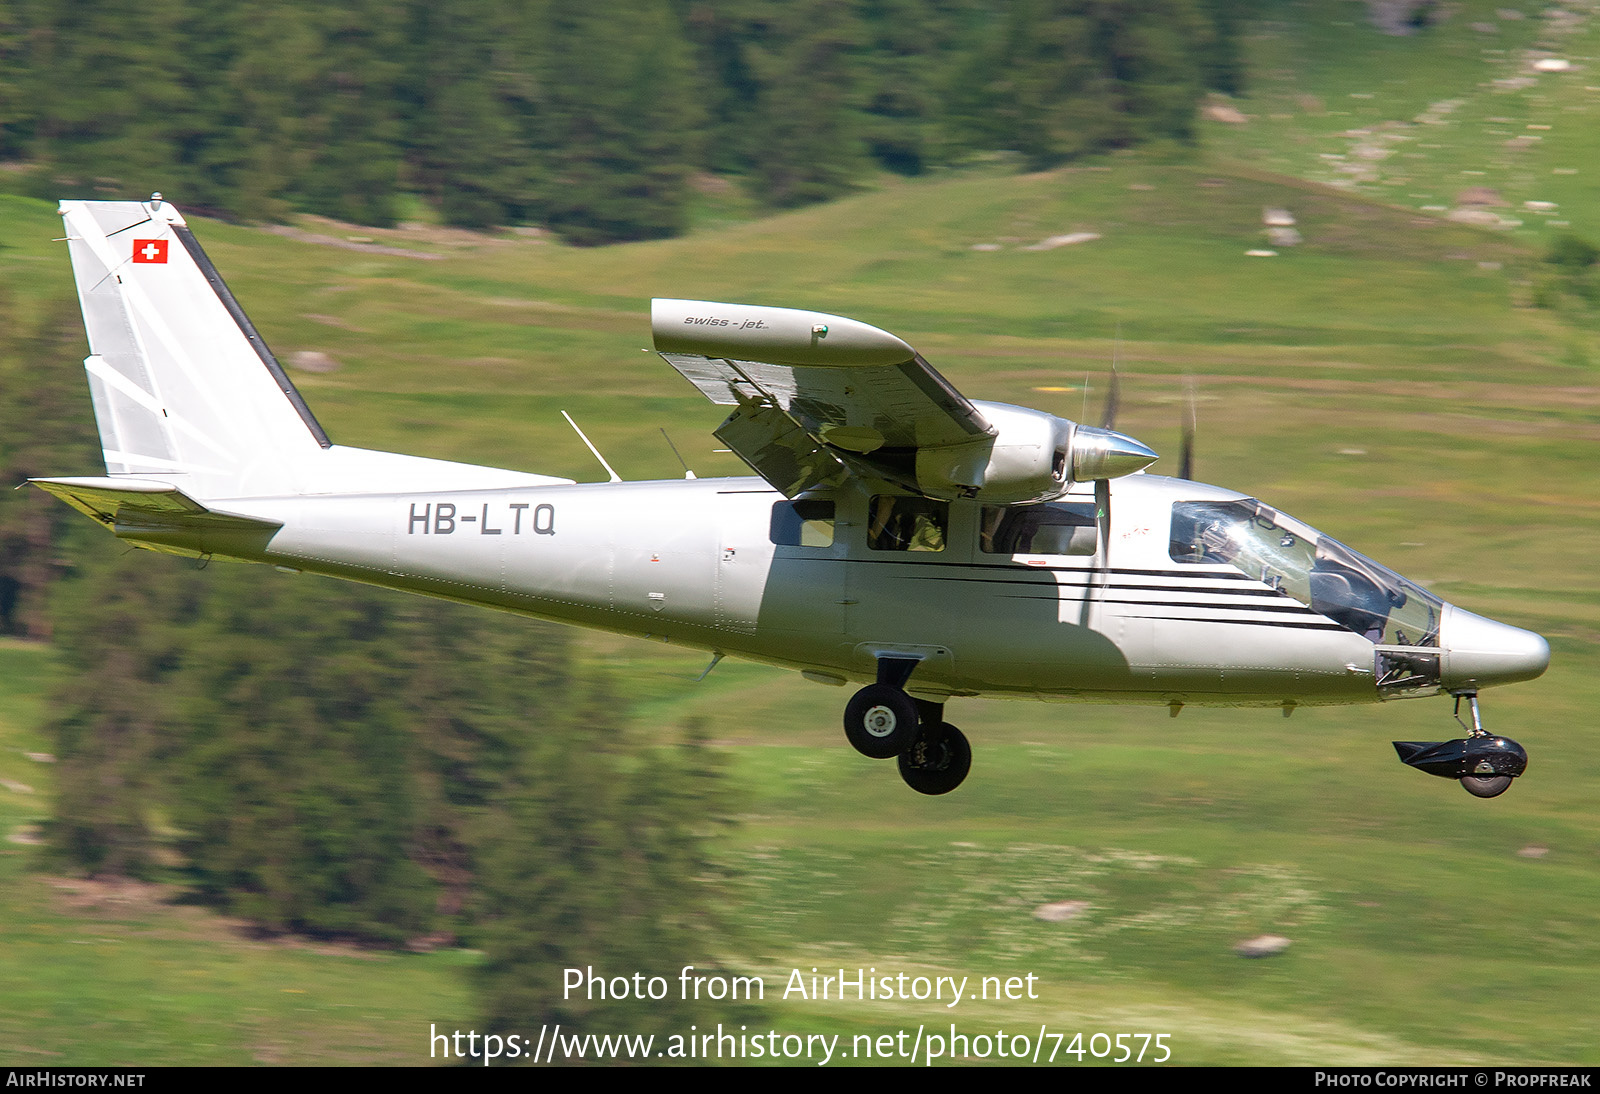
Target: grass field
1415 120
1385 381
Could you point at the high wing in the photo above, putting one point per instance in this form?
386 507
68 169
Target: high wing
821 398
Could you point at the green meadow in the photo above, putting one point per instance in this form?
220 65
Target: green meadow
1387 381
1415 120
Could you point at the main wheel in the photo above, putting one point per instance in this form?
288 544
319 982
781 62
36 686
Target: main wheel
880 721
937 761
1486 786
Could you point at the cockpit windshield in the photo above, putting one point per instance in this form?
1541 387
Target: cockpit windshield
1320 572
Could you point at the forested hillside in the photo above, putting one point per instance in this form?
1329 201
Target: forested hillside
590 119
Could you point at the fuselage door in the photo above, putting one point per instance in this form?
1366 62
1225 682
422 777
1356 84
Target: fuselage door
805 592
744 558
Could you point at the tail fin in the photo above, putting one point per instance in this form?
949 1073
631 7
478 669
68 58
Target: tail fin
184 388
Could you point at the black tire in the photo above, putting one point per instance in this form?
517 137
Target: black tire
880 721
1486 786
938 761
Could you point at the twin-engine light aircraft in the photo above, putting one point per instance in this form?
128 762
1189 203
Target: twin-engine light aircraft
899 534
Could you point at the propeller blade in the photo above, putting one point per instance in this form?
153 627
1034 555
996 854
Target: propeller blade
1102 517
1102 562
1108 419
1186 453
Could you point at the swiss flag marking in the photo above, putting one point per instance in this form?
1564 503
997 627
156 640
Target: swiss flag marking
149 250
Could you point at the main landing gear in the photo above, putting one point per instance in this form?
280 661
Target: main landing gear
1484 763
881 720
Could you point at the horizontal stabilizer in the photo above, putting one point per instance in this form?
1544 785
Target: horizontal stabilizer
145 503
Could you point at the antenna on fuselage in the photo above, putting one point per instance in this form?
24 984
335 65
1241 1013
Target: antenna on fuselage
609 469
686 472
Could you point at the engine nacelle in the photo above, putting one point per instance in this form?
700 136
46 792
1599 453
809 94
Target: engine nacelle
1032 456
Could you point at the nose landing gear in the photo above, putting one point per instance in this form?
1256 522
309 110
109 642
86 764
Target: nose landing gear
881 721
1485 764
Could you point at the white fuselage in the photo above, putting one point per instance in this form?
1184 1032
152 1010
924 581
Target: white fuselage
692 562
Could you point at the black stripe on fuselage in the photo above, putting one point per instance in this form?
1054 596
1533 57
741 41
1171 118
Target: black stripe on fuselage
1022 568
1293 609
1325 626
1188 587
1095 579
1190 583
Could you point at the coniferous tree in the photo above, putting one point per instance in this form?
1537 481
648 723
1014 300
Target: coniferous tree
1068 77
479 688
1221 49
359 763
353 131
46 428
589 120
726 89
18 113
120 635
611 121
912 47
804 147
292 780
261 98
472 90
599 857
104 81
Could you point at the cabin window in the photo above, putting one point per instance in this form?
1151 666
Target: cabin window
804 523
1055 528
907 524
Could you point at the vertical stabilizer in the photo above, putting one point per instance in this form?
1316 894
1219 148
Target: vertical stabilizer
184 388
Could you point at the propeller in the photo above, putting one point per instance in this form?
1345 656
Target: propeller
1100 454
1102 487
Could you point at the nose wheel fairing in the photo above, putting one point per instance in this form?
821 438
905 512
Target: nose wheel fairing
1484 763
1465 757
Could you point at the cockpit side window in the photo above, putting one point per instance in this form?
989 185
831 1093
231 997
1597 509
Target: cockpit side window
1245 535
907 524
1319 572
